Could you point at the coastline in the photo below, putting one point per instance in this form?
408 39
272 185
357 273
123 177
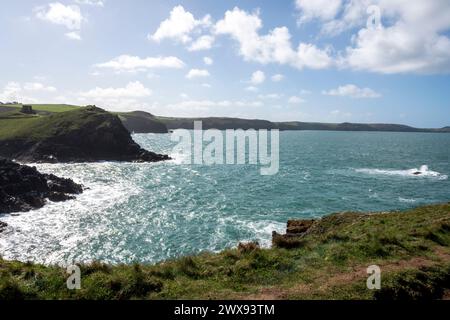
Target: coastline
329 262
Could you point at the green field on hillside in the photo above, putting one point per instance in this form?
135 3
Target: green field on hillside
46 107
35 127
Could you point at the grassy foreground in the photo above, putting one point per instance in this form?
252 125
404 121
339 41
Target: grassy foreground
412 248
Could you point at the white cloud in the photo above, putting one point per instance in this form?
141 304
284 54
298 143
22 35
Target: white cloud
209 107
309 56
295 100
353 91
205 104
405 47
97 3
258 77
277 77
131 90
30 92
37 86
208 61
275 47
74 35
273 96
206 85
354 13
202 43
252 89
10 92
411 37
179 26
127 63
152 75
317 9
69 16
335 16
197 73
340 115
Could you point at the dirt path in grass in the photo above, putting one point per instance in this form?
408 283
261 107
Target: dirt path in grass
357 273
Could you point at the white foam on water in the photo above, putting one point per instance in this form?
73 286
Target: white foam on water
262 231
55 233
423 171
406 200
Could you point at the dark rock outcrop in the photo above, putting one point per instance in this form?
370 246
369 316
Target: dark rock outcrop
3 226
85 135
23 188
298 226
296 229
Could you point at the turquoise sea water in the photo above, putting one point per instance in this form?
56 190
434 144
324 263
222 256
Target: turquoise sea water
151 212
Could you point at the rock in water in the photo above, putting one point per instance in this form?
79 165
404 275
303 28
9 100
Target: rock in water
23 188
3 226
84 135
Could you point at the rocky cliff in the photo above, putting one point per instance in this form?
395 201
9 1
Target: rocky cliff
23 188
83 135
142 122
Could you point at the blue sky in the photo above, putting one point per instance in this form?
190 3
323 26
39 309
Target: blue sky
306 60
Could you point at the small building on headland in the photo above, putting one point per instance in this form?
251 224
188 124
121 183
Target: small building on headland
27 109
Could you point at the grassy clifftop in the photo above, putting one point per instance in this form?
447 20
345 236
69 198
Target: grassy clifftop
79 135
412 248
44 108
36 127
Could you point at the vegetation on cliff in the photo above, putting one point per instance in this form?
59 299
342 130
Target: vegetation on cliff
412 248
80 135
142 122
236 123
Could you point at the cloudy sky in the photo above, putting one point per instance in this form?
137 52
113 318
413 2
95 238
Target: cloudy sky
307 60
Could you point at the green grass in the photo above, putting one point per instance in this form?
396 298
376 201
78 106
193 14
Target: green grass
36 128
14 114
412 249
14 124
13 127
53 108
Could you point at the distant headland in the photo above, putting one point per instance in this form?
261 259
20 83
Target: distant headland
144 122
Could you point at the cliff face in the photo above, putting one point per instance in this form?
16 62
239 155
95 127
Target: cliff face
142 122
84 135
23 188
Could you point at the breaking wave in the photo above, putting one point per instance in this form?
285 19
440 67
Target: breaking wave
423 171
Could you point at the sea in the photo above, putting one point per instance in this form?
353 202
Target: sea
150 212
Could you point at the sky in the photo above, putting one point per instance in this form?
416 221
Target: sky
375 61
